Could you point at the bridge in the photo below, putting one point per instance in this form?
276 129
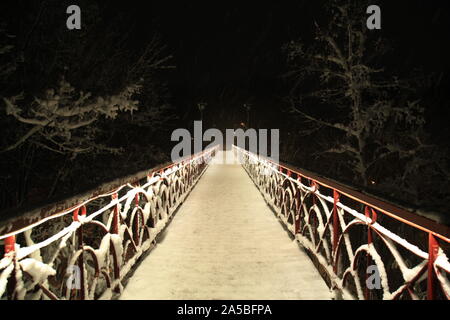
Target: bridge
204 229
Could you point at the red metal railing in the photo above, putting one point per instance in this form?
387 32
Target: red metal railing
346 231
84 247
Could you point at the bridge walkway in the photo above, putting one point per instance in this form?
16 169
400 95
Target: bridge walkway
225 243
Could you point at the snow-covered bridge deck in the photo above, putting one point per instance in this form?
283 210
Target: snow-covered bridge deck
225 243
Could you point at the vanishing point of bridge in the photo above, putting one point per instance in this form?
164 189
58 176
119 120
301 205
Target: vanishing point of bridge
197 229
225 243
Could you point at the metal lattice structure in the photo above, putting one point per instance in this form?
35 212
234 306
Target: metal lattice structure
348 233
84 247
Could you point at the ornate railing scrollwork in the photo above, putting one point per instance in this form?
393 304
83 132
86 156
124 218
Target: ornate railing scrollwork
84 247
364 247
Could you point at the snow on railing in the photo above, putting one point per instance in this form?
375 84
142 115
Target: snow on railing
84 247
365 248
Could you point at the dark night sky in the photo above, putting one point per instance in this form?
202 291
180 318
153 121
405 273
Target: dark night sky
230 53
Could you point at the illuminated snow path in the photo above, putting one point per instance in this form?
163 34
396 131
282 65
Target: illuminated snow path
225 243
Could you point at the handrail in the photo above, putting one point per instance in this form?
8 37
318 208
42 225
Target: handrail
87 244
324 216
18 221
413 219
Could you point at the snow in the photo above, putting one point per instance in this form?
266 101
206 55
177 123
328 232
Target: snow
26 251
370 249
29 241
38 270
103 250
118 249
4 277
442 261
225 243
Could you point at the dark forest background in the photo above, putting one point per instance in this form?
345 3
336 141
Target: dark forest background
147 66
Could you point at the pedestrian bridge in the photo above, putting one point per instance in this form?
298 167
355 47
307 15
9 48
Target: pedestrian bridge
225 243
203 228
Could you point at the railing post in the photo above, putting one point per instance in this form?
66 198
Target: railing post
315 187
80 247
115 230
10 244
115 222
136 218
136 199
335 228
298 209
369 213
433 249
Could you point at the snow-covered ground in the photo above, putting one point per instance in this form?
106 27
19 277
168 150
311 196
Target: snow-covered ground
225 243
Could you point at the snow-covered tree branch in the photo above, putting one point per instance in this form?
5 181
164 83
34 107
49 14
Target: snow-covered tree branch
62 115
359 98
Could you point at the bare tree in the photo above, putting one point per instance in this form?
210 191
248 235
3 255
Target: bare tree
372 114
67 119
67 95
63 119
9 64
